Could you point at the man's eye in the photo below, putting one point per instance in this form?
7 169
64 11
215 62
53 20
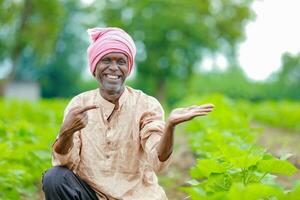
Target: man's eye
105 61
122 62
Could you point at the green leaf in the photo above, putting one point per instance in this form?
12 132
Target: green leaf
254 192
276 166
244 161
207 166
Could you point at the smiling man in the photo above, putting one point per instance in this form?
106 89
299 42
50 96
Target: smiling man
113 139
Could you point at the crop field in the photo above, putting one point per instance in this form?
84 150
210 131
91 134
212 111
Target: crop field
226 161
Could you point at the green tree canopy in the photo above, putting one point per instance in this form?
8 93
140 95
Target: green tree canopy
287 80
28 25
173 36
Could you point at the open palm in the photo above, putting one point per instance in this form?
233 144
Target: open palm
180 115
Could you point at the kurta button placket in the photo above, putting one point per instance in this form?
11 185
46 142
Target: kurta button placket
109 132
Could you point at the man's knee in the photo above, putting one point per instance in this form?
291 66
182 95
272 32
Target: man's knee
55 177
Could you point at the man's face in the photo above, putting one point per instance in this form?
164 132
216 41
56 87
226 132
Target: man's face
111 72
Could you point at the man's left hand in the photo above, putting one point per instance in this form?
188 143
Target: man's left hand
180 115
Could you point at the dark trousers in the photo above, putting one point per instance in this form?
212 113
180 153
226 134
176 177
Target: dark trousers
60 183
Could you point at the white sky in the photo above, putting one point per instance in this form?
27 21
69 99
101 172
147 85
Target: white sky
276 30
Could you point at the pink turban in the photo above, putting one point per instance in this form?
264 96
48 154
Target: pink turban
108 40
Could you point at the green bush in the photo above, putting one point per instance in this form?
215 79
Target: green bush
284 114
27 131
229 165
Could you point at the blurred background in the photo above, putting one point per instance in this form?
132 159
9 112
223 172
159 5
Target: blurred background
241 55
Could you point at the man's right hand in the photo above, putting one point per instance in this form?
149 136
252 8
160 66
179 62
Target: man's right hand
75 120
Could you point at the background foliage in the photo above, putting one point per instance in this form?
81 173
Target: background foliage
26 135
46 41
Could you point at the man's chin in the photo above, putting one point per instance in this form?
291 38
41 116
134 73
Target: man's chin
113 89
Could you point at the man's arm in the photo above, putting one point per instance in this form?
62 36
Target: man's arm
165 146
63 144
75 120
177 116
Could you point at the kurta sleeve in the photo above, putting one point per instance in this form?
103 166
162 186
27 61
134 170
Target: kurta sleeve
72 158
151 130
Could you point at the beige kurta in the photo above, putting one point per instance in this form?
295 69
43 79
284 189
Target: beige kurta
118 158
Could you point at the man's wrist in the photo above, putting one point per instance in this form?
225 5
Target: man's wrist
63 144
170 125
65 133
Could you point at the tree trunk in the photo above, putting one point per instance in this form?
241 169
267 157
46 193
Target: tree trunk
2 88
18 46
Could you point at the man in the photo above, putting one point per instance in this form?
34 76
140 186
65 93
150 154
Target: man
113 139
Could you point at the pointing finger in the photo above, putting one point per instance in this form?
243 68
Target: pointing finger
82 110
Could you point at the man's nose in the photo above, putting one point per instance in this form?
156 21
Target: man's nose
114 65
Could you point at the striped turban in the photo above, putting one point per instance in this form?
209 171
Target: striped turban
108 40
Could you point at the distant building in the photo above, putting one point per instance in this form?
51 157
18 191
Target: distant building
22 90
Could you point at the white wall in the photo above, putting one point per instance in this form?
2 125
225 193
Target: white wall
23 91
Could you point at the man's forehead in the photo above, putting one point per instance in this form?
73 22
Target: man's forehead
115 55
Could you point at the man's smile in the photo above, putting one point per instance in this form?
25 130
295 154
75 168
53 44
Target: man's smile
112 77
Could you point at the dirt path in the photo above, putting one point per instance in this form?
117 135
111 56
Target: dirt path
279 142
178 173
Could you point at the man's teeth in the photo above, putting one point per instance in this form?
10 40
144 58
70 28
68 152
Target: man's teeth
112 76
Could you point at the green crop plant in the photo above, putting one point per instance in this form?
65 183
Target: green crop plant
229 165
284 114
26 132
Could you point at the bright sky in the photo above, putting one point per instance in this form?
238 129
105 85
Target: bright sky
276 30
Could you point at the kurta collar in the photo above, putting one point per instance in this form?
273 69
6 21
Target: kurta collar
108 107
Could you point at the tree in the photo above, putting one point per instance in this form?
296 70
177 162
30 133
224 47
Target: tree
27 25
287 80
173 36
62 75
